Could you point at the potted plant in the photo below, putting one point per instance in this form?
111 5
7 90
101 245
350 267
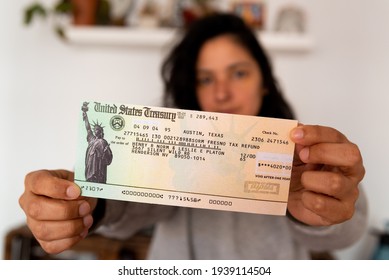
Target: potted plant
82 12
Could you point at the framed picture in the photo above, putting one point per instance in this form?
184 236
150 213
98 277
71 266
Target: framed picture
181 13
252 12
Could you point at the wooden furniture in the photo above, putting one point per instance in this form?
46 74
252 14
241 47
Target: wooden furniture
20 244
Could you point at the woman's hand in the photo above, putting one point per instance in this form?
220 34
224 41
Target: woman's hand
327 170
56 214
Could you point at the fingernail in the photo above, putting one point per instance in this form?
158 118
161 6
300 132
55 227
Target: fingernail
297 133
304 154
84 233
84 209
88 220
72 192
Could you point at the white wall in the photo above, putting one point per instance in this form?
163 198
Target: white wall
341 83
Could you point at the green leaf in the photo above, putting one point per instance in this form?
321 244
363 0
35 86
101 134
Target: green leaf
33 11
60 32
63 7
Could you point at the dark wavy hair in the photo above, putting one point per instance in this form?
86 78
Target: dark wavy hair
179 68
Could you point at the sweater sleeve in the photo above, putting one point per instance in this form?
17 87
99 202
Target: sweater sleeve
333 237
122 219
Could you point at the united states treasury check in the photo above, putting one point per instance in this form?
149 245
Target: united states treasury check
184 158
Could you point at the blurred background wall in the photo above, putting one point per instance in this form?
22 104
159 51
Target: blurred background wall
342 82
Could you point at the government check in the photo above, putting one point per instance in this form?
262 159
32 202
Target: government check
184 158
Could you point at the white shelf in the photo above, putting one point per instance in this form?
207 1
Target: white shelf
159 37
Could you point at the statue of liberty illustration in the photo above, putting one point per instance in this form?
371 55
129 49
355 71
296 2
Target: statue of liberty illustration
98 154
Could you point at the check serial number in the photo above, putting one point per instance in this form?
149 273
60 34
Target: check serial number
220 202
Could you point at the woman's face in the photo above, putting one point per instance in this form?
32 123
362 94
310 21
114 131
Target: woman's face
228 78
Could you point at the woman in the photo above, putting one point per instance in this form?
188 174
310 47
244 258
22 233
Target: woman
219 66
